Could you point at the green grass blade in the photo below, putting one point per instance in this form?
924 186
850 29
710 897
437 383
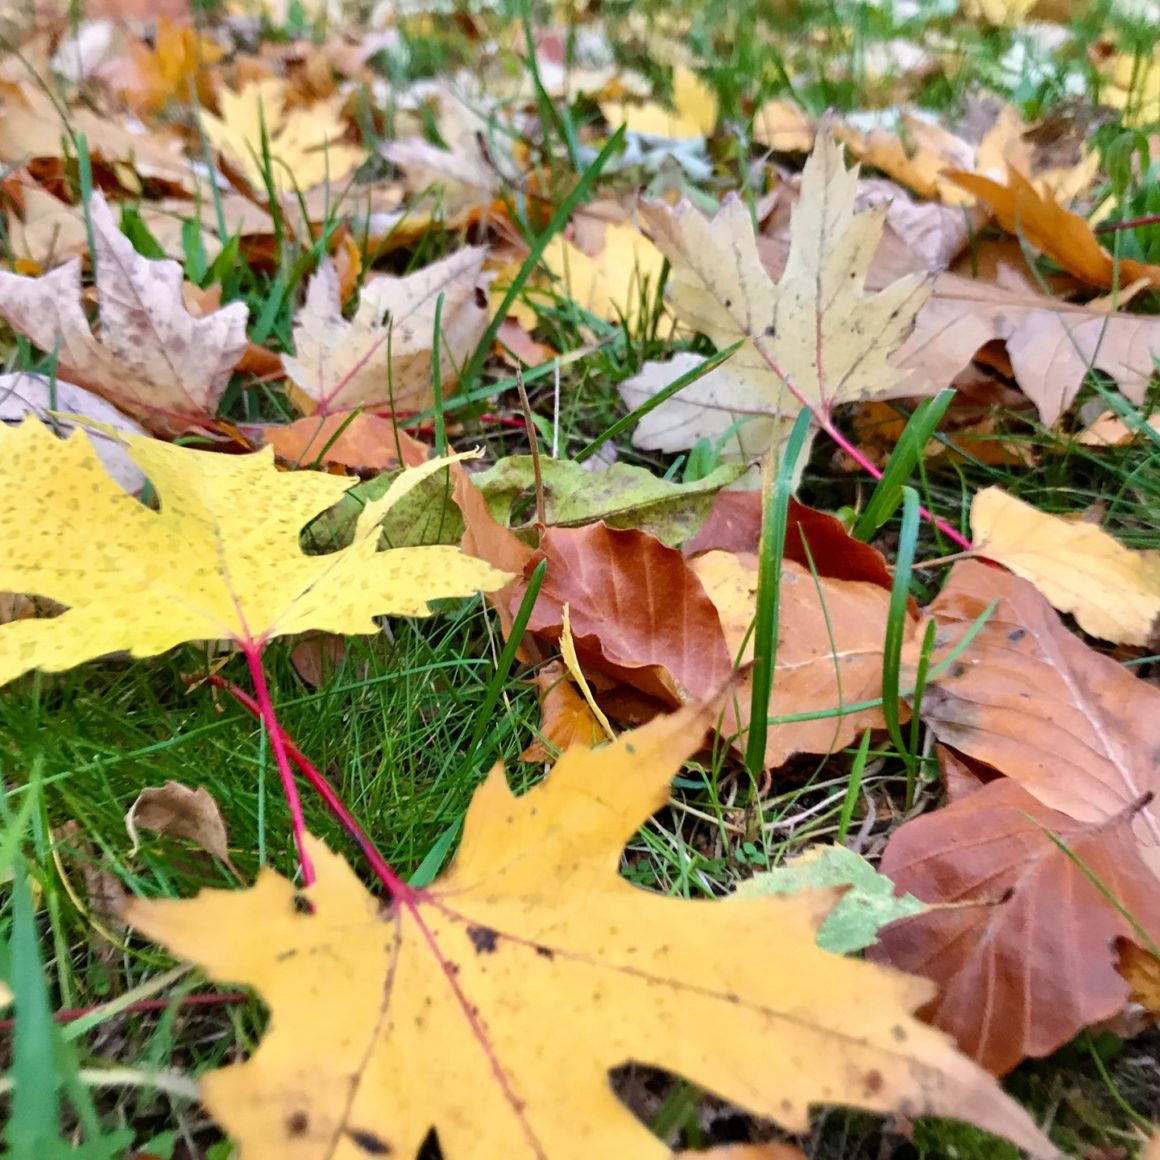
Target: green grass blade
887 495
896 623
558 221
634 417
774 519
33 1124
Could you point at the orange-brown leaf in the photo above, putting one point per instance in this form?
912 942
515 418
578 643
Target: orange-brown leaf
1073 727
566 719
1024 957
639 613
1062 235
362 443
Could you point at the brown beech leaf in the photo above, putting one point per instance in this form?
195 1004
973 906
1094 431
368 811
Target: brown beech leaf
1023 956
153 360
383 357
1074 728
813 538
829 652
639 614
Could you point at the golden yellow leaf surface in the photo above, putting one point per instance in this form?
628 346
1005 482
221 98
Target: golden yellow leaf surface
694 111
814 337
306 144
613 284
220 560
1112 591
491 1005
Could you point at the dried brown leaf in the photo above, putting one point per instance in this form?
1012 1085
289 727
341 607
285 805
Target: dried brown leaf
153 359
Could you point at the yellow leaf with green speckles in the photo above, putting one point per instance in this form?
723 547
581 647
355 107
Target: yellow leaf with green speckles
220 560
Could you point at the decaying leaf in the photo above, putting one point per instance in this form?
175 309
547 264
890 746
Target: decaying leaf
1109 430
492 1005
639 613
1140 969
47 230
1024 957
361 442
33 124
306 145
1051 344
917 156
174 67
816 540
221 560
153 359
565 718
813 338
1062 235
470 172
622 496
1071 737
867 904
1113 592
177 811
829 652
1073 727
783 127
383 357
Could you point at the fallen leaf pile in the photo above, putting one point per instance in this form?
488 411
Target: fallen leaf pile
320 315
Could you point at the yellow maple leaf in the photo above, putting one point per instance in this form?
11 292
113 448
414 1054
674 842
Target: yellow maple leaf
1132 83
306 144
620 282
694 112
815 337
220 560
1113 592
492 1005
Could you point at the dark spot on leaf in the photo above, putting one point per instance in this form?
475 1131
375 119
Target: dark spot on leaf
285 956
480 298
771 331
728 303
483 938
1007 895
873 1082
297 1123
369 1142
899 1032
958 670
545 952
302 904
629 748
1017 634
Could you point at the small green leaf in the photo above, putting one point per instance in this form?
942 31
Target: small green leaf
622 496
868 905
